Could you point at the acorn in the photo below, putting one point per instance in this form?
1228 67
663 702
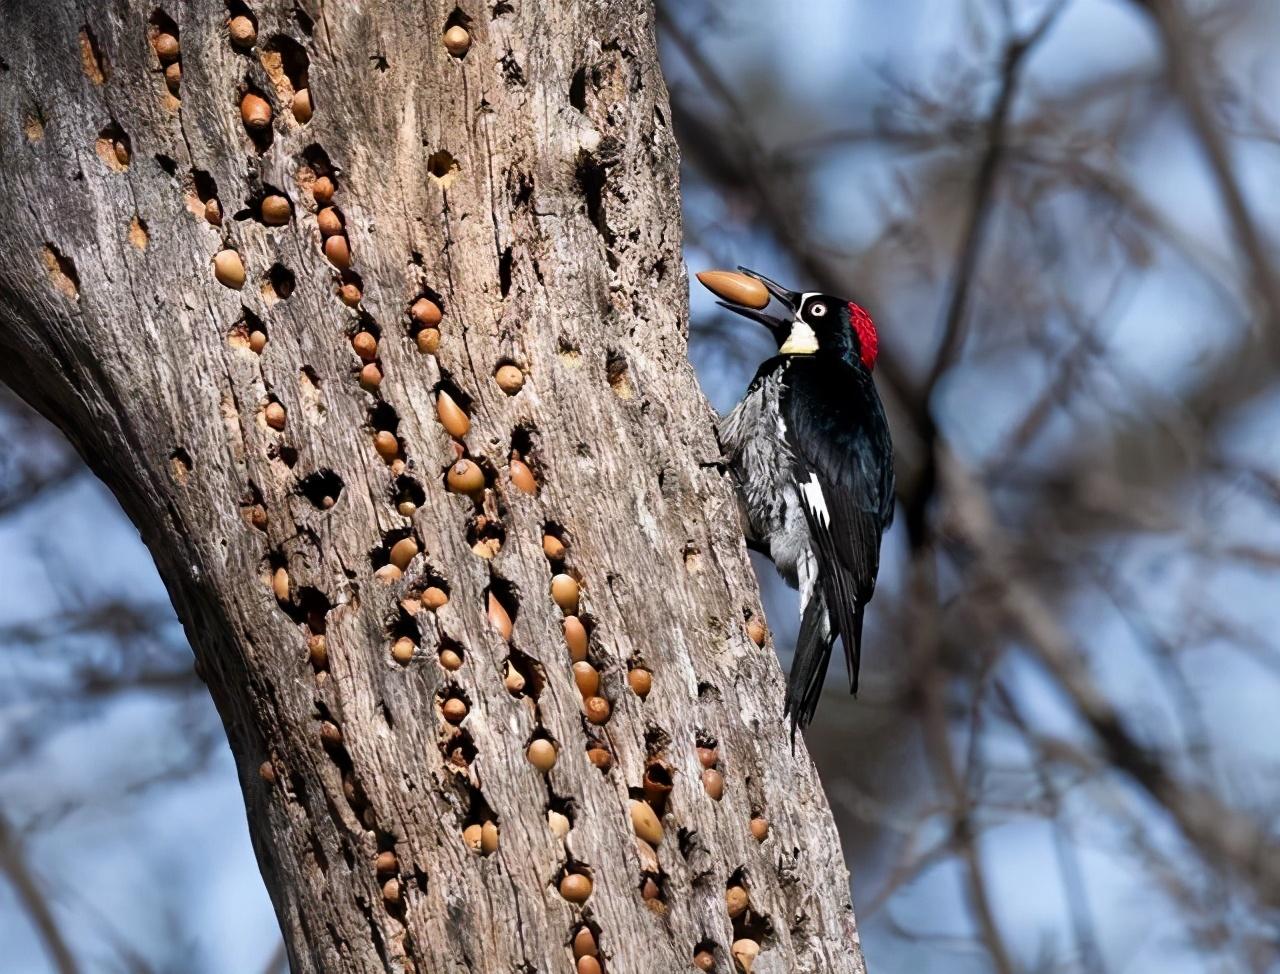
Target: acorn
425 312
428 340
541 754
756 631
257 341
338 251
587 679
472 835
600 757
121 152
213 212
513 680
384 441
464 477
522 476
558 823
301 106
402 650
575 887
575 637
498 617
403 552
713 782
166 47
641 681
645 823
267 772
322 190
275 210
349 294
457 41
388 574
584 943
329 221
589 965
650 890
243 32
736 901
656 782
274 415
735 288
173 77
564 592
386 864
704 960
597 709
708 757
318 652
280 584
454 709
450 659
552 547
330 733
509 378
433 597
759 828
391 891
228 269
365 345
255 112
258 516
745 952
489 838
452 418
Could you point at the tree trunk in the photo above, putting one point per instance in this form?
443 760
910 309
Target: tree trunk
528 187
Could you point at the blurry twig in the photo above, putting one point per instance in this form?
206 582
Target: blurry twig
14 867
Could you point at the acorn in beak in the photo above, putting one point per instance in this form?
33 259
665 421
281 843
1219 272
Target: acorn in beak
747 293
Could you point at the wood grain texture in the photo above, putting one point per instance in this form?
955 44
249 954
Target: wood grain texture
530 189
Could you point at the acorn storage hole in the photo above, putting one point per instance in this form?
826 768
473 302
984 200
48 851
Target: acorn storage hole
523 675
485 535
114 147
202 197
480 831
286 64
501 606
398 549
242 26
322 489
248 333
256 116
407 495
180 464
442 168
279 283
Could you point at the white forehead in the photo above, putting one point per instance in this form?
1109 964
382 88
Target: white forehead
804 298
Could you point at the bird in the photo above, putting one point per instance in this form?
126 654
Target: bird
810 452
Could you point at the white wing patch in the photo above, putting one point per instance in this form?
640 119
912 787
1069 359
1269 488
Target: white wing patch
811 490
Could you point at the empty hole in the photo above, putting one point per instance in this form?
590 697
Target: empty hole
285 454
95 65
504 271
62 271
578 89
278 284
617 372
383 417
322 489
442 168
180 464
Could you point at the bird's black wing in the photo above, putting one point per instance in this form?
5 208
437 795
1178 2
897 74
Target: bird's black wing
838 433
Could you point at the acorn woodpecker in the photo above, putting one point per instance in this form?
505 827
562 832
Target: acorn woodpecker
810 449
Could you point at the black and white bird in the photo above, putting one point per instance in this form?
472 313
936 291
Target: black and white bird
810 449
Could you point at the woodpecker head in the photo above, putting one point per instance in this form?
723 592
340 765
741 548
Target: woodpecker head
817 324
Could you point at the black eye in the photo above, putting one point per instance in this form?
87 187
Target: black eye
818 310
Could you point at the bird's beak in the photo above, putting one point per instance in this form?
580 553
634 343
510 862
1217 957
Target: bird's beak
779 327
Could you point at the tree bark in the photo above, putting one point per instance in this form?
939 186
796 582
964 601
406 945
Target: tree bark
528 187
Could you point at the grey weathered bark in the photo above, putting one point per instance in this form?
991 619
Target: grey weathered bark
529 188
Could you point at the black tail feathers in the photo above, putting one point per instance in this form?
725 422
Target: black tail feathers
813 653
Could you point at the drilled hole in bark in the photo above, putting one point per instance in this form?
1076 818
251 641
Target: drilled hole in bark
578 89
248 333
485 535
62 272
270 207
202 197
708 693
591 176
252 508
285 454
398 547
442 168
656 740
180 464
504 270
278 284
619 375
322 489
503 593
95 66
407 495
529 675
309 607
657 784
286 63
257 116
114 147
599 754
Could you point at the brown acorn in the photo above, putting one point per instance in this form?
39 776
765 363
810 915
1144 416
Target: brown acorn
557 822
428 340
499 617
597 709
513 680
166 47
391 891
589 965
465 477
489 838
472 836
735 288
301 106
330 733
552 547
228 269
575 637
173 77
275 210
267 772
575 887
457 41
426 312
736 901
318 652
450 659
338 251
370 377
564 592
708 757
641 681
243 32
756 631
384 441
365 345
541 754
586 678
454 709
509 378
713 782
388 574
255 112
745 952
213 212
349 294
645 822
257 341
330 221
403 552
584 943
402 650
704 960
522 476
275 415
386 864
599 756
433 597
452 418
759 828
322 190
